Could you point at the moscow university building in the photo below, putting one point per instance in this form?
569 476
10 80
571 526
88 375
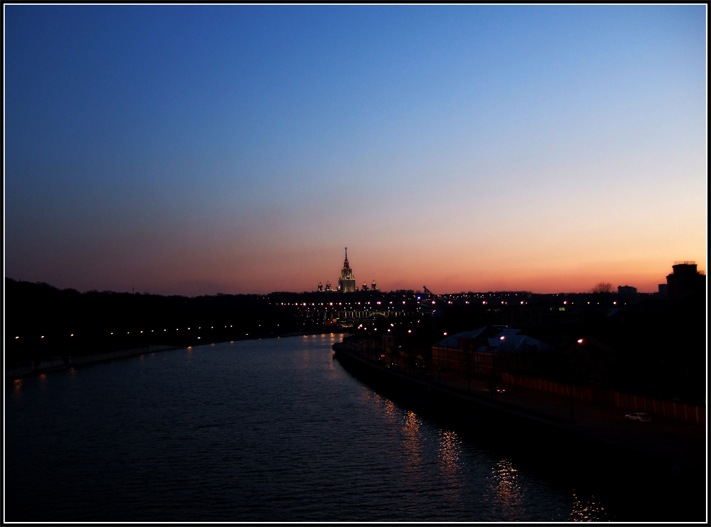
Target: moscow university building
346 283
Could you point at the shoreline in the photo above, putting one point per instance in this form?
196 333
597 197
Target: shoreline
67 362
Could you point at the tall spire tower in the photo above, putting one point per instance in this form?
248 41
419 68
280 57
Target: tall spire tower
346 283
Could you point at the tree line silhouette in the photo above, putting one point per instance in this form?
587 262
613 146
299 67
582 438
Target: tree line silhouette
42 321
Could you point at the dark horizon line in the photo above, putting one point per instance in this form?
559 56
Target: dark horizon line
334 292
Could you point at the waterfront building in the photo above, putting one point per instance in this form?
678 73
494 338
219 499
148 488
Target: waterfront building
475 352
346 283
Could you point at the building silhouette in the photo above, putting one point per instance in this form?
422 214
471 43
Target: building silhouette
626 291
346 283
685 282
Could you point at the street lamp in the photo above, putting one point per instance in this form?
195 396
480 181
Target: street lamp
570 381
493 363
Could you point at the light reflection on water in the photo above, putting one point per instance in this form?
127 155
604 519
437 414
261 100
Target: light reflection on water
587 509
505 490
449 446
270 430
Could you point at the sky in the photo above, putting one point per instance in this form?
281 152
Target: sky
196 150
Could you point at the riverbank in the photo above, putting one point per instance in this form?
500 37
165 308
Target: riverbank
662 464
66 362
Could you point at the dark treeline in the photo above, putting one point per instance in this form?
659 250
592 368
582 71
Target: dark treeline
42 321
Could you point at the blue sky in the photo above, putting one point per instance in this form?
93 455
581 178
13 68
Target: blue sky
238 149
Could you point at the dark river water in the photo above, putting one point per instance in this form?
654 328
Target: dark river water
254 431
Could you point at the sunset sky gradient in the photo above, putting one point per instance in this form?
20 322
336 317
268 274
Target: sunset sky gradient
238 149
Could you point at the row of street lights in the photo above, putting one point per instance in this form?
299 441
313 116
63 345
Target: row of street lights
140 332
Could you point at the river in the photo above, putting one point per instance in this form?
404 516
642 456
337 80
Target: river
270 430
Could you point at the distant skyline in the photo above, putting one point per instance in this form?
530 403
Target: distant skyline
197 149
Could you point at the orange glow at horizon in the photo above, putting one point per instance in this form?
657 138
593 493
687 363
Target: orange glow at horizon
445 277
442 278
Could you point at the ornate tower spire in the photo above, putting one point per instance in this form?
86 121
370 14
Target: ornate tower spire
346 283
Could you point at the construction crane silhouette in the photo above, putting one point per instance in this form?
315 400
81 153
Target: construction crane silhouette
427 291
